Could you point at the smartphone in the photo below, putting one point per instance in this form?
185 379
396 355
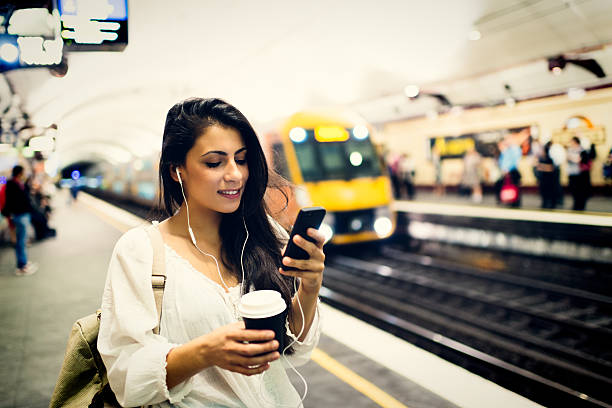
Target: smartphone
309 217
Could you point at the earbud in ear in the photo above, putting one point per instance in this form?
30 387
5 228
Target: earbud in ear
178 174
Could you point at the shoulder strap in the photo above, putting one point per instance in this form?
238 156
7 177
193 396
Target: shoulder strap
158 273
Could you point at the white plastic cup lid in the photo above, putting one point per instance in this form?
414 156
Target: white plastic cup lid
260 304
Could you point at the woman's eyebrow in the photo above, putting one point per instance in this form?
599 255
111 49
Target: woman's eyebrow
221 152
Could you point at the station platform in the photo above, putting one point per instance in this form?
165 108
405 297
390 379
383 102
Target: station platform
530 200
355 365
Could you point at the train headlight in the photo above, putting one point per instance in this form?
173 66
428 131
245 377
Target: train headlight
297 135
360 132
382 222
327 226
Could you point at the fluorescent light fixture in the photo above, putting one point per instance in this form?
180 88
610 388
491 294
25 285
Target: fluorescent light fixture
576 93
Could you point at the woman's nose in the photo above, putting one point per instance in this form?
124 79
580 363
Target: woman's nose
233 171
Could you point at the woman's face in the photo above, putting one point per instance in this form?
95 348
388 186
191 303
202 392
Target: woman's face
216 171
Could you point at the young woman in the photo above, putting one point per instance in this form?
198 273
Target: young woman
213 176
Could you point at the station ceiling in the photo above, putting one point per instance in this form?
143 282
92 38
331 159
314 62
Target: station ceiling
272 57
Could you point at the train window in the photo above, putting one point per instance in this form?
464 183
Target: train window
308 160
336 160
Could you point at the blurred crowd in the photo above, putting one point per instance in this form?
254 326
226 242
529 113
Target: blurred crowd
546 160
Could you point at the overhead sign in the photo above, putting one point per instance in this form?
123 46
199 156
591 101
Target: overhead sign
94 25
27 45
579 126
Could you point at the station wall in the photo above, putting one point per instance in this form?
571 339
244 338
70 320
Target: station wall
548 115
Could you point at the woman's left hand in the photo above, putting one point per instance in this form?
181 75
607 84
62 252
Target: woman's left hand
310 271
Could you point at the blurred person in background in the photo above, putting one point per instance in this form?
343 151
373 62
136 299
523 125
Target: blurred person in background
548 178
579 172
406 175
509 158
18 206
607 173
558 155
471 174
392 162
436 160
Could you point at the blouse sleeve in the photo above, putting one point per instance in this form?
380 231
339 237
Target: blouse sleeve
134 357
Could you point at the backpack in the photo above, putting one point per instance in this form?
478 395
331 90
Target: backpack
82 381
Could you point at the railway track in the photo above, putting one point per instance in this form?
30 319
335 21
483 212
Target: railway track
548 342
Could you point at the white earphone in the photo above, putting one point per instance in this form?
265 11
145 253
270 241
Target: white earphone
178 174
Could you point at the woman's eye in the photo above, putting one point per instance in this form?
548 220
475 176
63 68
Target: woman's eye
213 164
241 161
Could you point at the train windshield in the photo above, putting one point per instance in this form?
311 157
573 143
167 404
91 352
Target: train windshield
345 160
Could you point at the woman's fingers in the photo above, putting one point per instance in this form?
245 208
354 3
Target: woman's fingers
254 361
254 370
253 349
242 334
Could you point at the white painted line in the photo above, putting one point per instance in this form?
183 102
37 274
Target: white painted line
445 379
122 216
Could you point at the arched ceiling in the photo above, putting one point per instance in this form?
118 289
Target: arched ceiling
270 58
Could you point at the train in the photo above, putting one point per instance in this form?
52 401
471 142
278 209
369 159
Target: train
331 160
328 157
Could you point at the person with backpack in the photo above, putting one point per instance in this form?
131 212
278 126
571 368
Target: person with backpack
18 207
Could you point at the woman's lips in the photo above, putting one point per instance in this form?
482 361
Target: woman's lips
231 194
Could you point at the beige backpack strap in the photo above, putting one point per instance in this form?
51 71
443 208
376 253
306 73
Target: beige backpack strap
158 273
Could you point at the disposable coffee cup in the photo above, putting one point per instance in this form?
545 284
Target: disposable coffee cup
264 310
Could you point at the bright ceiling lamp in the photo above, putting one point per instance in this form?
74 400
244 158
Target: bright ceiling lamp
412 91
474 35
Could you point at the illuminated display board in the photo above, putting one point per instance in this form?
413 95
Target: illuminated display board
94 25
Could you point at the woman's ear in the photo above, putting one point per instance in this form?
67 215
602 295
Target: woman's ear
173 173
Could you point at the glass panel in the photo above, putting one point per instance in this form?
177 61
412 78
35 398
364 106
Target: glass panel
336 160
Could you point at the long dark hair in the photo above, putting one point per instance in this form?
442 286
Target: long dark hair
185 122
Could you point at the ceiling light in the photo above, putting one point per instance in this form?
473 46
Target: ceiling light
576 93
411 91
474 35
556 65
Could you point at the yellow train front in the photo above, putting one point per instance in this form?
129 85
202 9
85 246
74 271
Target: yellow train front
332 161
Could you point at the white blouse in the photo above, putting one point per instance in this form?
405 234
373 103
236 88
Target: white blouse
193 305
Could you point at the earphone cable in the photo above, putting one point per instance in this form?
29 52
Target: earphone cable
193 236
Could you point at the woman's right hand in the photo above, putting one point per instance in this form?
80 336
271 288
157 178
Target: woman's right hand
226 347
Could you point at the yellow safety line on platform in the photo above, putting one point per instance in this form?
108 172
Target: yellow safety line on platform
318 356
356 381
